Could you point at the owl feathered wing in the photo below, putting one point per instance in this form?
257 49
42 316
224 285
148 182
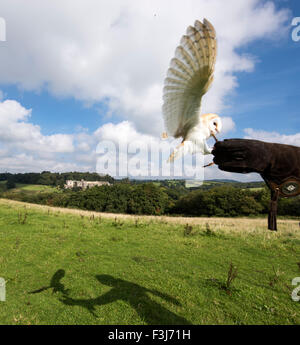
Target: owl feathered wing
188 78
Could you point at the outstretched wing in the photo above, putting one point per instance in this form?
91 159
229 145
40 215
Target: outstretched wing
188 78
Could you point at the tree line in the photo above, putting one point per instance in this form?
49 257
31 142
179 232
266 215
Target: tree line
154 199
51 179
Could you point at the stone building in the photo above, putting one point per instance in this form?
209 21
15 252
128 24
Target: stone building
84 184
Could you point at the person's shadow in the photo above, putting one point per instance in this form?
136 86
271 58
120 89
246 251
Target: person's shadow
149 311
55 284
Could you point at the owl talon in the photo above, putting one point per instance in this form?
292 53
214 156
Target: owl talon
208 165
212 134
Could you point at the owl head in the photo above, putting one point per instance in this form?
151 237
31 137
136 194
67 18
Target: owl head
212 122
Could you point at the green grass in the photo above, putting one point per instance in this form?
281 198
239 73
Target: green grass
27 190
34 188
30 188
72 269
255 189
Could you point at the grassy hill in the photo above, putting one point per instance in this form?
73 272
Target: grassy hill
31 188
37 188
84 268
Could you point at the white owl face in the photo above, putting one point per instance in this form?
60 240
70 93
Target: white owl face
215 124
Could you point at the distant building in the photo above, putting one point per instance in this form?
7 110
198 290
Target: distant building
84 184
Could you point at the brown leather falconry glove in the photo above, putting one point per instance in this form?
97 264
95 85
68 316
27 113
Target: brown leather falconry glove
278 165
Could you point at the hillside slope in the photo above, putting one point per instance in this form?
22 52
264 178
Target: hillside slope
78 268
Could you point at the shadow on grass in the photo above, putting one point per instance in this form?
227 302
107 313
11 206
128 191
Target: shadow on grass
150 311
55 284
220 285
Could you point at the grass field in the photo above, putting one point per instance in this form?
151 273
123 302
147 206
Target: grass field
38 188
74 267
30 188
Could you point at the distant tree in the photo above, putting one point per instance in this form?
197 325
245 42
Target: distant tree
221 202
10 184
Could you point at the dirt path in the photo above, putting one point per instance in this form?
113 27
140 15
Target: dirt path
243 224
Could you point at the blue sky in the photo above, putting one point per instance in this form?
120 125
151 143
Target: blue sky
91 79
53 114
269 97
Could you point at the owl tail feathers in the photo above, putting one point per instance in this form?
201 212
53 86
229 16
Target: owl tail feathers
180 150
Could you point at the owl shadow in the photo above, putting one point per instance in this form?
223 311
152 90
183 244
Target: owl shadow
137 296
55 284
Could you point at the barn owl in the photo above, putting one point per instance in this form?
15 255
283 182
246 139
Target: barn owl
188 78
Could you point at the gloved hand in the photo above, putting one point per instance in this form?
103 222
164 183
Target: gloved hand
278 165
274 162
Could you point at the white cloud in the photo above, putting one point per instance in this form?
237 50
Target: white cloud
126 143
120 50
117 52
273 137
22 162
23 147
124 133
16 131
228 125
214 172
